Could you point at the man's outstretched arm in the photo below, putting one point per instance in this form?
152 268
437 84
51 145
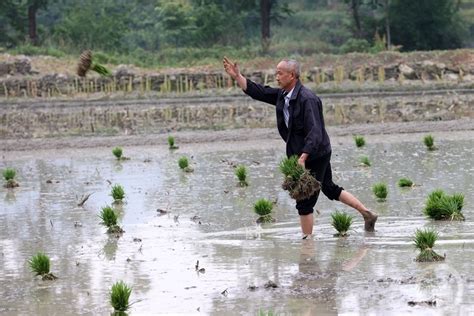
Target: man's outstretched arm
233 71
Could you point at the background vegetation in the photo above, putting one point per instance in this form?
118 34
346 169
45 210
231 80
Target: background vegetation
190 32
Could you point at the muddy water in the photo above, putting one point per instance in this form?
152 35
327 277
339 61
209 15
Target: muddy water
210 219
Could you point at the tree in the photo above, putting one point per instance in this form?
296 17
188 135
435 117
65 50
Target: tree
33 7
271 10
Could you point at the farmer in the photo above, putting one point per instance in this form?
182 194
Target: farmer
300 123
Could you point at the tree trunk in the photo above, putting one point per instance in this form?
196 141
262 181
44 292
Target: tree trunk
387 24
355 14
265 9
32 24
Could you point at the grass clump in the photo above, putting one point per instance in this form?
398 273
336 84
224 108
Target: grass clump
40 265
405 182
183 164
9 175
119 296
424 240
117 193
241 174
263 208
341 222
441 206
171 143
380 190
428 140
365 161
110 220
298 181
359 141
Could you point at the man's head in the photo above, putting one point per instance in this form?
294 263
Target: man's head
287 73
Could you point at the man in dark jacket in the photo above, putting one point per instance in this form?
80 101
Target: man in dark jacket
300 123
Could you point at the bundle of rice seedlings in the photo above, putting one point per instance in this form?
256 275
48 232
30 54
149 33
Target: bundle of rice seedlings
117 193
424 240
117 152
87 63
110 220
380 190
119 296
9 175
365 161
359 141
298 181
171 143
405 182
40 264
441 206
263 208
341 222
429 142
241 173
183 163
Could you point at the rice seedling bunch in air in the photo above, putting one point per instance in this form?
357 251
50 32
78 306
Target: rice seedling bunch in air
263 208
86 63
298 181
424 240
40 265
405 182
9 175
241 174
428 140
341 222
359 141
119 296
441 206
380 190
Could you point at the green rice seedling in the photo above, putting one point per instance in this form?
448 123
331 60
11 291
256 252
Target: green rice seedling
365 161
87 63
424 240
119 296
9 175
359 141
405 182
117 151
183 163
171 143
341 222
429 142
298 182
441 206
117 193
263 208
40 264
241 173
380 190
110 220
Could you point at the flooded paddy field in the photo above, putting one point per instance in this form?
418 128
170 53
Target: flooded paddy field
210 219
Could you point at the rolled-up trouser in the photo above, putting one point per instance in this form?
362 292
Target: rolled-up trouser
320 168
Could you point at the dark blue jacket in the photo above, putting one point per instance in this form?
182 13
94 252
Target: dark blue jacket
305 132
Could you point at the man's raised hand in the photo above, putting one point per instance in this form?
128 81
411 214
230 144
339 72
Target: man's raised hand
231 68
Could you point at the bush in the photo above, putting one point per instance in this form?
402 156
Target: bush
355 45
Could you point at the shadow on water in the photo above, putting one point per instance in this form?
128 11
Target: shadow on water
206 217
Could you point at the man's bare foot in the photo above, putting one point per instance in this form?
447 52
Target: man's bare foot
370 218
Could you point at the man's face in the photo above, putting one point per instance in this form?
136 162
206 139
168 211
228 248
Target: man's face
284 75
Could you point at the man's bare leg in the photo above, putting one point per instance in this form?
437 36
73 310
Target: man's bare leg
369 217
306 222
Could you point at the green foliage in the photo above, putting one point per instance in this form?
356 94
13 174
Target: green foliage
108 217
183 162
341 222
290 168
241 173
359 141
380 190
355 45
171 143
101 70
117 193
440 206
405 182
39 264
364 160
119 296
117 151
263 207
9 174
424 240
428 140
